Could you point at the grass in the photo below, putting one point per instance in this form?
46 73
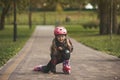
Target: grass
77 17
8 48
91 38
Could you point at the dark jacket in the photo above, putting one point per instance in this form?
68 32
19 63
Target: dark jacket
66 45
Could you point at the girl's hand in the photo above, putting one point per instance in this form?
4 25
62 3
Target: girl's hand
60 48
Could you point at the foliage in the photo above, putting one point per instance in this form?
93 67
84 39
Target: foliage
91 24
21 4
64 3
59 8
7 7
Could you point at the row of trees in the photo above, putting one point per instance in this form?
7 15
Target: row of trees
6 8
107 10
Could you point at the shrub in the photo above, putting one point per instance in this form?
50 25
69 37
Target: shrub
90 25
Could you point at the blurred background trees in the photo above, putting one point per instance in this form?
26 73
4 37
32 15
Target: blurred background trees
6 9
107 10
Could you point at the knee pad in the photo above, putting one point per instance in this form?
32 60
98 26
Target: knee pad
66 54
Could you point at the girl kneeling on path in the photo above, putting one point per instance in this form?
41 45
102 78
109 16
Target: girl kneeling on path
61 49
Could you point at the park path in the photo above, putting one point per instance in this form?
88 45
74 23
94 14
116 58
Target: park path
86 63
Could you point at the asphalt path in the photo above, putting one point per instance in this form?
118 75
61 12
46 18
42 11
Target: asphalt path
86 63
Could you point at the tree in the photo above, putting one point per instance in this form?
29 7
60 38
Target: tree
107 11
114 14
6 6
118 9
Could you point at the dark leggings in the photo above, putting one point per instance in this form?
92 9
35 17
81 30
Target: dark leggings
51 66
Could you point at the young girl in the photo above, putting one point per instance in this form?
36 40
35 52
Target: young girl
61 49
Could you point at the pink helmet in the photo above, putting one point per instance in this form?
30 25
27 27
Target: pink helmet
60 30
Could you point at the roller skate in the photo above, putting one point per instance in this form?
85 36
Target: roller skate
66 67
37 68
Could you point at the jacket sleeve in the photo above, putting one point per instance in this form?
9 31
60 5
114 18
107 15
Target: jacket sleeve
70 46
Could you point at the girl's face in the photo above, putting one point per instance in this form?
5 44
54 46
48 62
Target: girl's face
61 38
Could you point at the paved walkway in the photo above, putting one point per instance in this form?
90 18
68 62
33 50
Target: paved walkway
87 64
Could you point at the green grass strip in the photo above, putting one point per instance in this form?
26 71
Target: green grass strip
91 38
8 48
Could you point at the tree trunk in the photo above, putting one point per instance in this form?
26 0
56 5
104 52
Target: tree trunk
106 17
115 23
2 20
118 32
2 17
103 15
